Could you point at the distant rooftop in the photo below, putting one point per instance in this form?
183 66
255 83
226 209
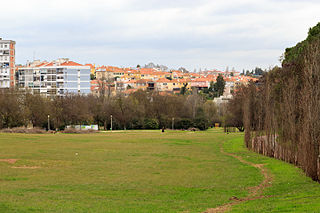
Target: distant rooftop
64 62
1 39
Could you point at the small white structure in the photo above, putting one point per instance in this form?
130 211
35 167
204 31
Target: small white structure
222 99
83 127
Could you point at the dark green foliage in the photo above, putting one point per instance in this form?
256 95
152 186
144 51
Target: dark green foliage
136 124
295 54
215 89
211 92
201 124
151 124
92 77
219 86
184 89
258 71
314 32
184 124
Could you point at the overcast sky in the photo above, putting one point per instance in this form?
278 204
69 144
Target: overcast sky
189 33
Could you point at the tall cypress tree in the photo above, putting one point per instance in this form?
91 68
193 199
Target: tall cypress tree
219 86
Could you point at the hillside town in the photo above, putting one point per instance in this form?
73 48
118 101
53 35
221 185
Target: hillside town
62 76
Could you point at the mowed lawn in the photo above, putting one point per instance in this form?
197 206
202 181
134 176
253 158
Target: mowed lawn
142 171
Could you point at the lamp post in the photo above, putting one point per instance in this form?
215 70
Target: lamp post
172 123
48 122
111 122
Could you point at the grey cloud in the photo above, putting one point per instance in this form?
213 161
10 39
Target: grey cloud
189 33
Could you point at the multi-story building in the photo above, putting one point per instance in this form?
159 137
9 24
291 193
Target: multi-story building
55 78
7 63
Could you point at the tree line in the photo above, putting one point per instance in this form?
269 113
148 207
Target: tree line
140 110
281 112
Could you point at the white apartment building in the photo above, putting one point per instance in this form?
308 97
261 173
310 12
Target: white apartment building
55 78
7 63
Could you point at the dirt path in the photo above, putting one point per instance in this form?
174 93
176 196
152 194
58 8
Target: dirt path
11 161
254 192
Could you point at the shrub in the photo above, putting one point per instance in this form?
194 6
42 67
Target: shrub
184 124
24 130
76 131
151 124
136 124
201 124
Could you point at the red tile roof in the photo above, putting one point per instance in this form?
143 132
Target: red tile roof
202 80
42 64
90 65
49 64
163 80
142 81
70 63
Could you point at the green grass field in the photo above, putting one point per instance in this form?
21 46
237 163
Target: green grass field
143 171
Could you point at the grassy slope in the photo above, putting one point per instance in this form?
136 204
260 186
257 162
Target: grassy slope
291 190
140 171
